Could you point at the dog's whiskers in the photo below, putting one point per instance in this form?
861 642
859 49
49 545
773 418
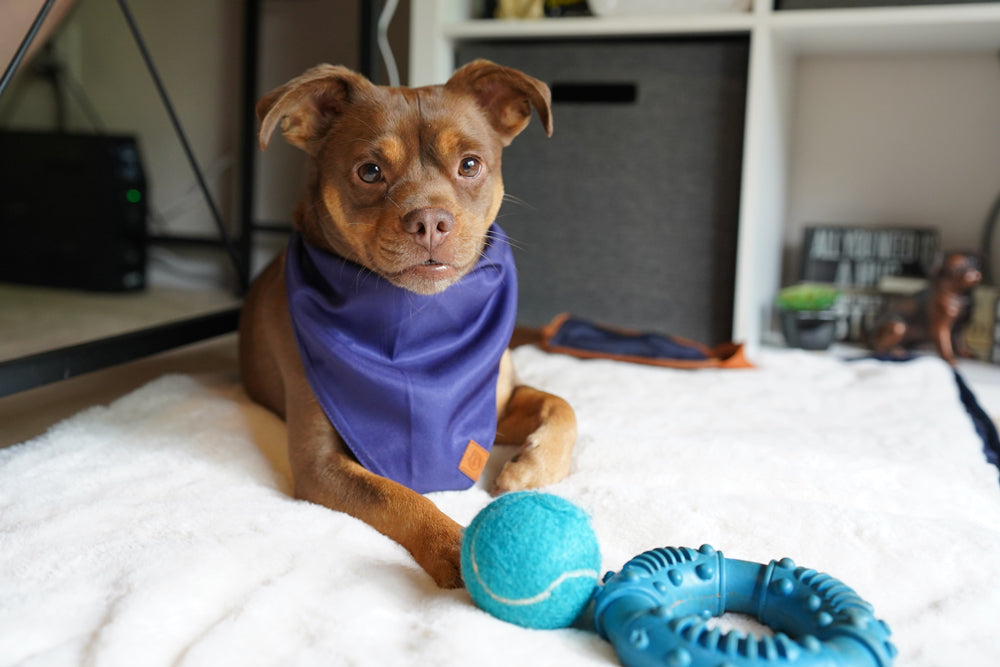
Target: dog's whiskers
362 276
510 241
507 197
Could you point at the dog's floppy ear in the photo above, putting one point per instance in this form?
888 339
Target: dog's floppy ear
506 95
307 105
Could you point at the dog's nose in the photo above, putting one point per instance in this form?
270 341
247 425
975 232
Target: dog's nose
429 226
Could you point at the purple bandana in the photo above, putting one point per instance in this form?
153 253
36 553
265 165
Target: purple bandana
409 381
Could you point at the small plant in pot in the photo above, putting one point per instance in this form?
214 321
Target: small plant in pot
808 318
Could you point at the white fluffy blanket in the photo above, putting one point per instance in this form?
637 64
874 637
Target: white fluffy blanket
159 530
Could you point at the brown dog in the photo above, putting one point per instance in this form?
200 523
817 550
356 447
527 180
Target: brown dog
403 187
938 314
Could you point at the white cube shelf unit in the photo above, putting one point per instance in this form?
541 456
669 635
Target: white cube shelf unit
778 39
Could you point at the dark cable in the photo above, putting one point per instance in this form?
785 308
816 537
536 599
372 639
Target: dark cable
22 50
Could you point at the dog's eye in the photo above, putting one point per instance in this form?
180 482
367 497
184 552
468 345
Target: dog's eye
469 167
370 172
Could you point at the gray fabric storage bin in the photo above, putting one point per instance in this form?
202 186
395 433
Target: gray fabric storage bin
628 214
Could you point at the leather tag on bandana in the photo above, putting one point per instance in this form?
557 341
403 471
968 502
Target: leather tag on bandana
474 460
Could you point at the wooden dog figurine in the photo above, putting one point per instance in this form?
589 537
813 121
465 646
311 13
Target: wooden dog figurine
938 314
380 334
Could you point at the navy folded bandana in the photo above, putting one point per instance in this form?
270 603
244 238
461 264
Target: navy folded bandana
409 381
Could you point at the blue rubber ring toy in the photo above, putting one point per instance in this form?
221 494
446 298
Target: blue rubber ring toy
655 612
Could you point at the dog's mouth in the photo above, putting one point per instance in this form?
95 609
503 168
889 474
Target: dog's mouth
431 267
427 277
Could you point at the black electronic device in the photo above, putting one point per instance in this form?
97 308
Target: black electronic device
72 211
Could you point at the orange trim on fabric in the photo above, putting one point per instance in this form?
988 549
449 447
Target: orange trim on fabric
724 355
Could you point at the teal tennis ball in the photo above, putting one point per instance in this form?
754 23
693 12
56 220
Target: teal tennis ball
531 559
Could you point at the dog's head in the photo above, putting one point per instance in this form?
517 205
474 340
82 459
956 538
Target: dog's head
404 181
958 271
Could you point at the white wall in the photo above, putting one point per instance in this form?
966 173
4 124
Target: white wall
908 140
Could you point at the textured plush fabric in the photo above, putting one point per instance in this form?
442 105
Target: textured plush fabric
160 530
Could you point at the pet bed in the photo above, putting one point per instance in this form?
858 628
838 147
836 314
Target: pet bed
159 530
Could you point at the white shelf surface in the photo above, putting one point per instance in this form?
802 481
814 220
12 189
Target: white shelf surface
914 29
623 26
925 28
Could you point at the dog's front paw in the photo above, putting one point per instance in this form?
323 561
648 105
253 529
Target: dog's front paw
533 467
441 556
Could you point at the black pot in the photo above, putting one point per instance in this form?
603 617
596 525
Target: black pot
808 329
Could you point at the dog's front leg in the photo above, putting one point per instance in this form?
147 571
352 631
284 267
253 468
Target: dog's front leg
325 473
545 427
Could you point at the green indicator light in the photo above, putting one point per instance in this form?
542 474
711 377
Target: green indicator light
133 196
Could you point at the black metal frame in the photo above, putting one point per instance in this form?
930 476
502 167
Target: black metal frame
65 362
62 363
22 50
